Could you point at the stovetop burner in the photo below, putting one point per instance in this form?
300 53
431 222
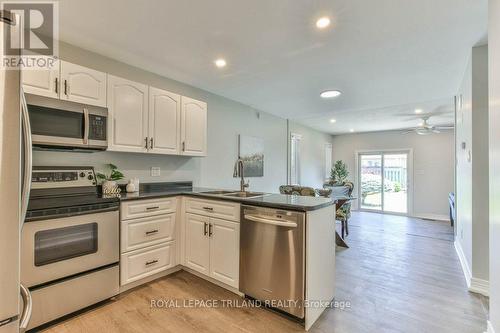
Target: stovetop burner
66 191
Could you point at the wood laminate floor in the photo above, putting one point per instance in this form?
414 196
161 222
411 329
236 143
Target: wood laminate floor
399 275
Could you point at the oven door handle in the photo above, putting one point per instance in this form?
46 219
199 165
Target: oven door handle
27 308
86 126
277 222
28 162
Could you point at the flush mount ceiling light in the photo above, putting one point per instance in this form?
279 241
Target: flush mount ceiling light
418 111
351 130
220 63
333 120
330 94
322 22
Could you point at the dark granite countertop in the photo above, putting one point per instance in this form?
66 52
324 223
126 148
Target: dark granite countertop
281 201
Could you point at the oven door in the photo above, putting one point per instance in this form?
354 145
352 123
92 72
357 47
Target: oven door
58 248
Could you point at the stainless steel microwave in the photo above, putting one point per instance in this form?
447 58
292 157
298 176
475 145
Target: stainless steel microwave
68 125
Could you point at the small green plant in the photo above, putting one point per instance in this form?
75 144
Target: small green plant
113 175
397 187
339 172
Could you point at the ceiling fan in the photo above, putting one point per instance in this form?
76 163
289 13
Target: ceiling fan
425 128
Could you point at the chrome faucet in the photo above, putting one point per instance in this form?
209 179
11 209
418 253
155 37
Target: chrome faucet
238 172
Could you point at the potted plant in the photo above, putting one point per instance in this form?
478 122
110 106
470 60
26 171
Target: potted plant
339 173
109 180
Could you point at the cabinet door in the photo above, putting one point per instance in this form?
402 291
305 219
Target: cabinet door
83 85
225 251
164 121
42 82
197 245
193 127
128 115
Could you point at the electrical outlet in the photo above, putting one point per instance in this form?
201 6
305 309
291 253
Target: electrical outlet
155 171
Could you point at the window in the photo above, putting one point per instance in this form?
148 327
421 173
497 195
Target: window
295 158
328 160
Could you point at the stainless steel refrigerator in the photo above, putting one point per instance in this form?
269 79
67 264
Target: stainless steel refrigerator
15 181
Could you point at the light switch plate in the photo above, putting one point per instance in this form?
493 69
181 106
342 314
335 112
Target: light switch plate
155 172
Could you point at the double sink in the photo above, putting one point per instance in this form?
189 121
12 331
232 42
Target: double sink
235 194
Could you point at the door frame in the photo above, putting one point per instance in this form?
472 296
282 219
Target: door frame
357 180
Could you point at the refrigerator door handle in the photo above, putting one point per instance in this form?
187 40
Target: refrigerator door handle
27 157
27 307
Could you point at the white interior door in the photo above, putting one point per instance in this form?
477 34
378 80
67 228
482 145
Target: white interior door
128 115
164 121
384 181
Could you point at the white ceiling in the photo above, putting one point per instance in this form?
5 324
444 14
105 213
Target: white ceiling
388 57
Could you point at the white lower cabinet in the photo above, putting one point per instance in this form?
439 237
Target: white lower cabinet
197 243
212 247
142 263
147 238
225 251
147 231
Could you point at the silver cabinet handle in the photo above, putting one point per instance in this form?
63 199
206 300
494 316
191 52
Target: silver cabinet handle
210 230
152 232
205 231
27 307
146 140
28 162
66 87
86 126
151 208
211 209
152 262
183 146
57 86
151 143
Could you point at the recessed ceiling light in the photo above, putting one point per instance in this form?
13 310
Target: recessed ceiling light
333 120
418 111
220 63
330 94
322 22
351 130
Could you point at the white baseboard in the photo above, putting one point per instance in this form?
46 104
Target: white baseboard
480 286
490 328
474 285
463 262
436 217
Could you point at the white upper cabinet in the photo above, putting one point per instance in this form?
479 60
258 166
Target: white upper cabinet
128 115
42 82
83 85
193 127
164 121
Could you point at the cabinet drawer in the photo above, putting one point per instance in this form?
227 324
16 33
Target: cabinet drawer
147 231
145 208
220 209
142 263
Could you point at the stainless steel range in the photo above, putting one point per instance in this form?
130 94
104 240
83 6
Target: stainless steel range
69 244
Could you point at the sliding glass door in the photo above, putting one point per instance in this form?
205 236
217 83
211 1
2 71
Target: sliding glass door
384 181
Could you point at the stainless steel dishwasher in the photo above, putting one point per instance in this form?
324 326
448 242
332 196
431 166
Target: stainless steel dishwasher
272 257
